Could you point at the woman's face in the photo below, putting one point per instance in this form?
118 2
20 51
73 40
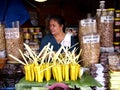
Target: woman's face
55 27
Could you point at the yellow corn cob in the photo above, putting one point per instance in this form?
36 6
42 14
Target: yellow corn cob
36 69
63 71
77 70
28 72
66 72
47 72
40 74
79 75
54 71
73 72
32 71
41 68
59 73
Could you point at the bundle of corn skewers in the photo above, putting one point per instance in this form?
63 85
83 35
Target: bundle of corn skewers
49 64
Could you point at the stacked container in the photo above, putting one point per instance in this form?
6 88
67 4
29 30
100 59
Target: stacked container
117 30
90 42
33 37
14 42
105 20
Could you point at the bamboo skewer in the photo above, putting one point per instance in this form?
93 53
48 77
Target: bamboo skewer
23 57
17 59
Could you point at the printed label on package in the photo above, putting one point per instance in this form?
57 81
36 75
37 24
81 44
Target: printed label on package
12 33
107 19
87 22
91 39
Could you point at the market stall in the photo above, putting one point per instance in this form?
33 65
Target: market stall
95 67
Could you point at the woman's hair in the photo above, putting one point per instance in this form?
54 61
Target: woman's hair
59 19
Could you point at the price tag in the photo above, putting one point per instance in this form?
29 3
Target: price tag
107 19
87 22
12 33
91 39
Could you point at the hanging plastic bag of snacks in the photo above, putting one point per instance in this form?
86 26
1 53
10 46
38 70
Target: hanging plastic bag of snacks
14 42
90 42
2 41
2 37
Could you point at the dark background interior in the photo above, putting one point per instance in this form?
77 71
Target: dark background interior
72 10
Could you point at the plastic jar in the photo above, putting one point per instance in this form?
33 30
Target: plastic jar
116 46
35 37
25 30
116 35
106 30
117 13
37 30
102 4
117 23
31 30
89 42
111 11
98 15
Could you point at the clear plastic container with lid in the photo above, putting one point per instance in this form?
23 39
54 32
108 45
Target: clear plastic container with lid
31 30
106 29
116 23
104 12
111 11
116 46
116 35
117 13
89 42
98 15
102 4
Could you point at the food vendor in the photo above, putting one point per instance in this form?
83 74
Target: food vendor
57 36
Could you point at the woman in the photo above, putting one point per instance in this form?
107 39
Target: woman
57 36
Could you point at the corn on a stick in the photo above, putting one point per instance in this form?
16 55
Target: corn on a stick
59 73
63 71
47 72
28 72
66 72
54 72
40 74
32 72
36 69
77 70
73 72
